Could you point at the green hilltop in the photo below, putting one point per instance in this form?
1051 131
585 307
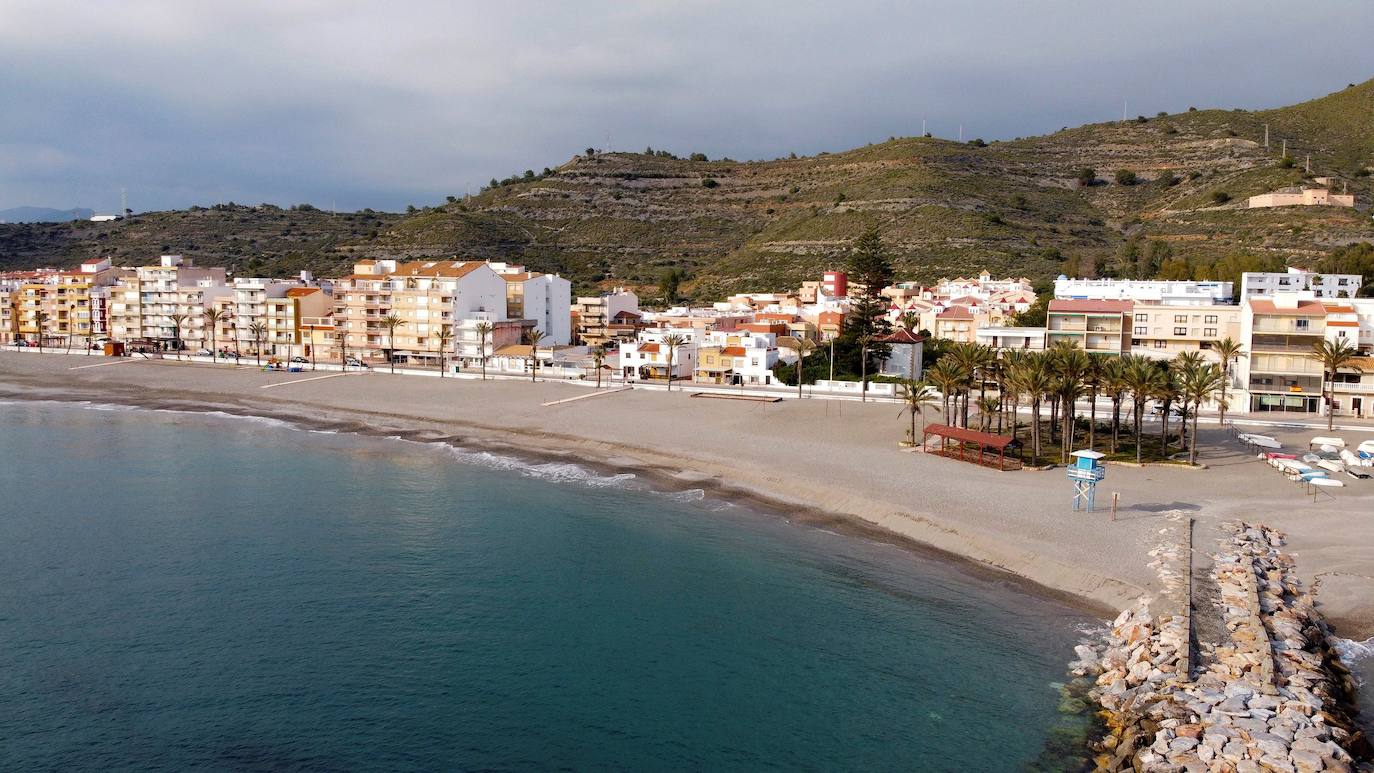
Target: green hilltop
944 208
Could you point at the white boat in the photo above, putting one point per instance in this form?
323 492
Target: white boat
1260 441
1334 442
1327 464
1349 457
1367 447
1327 482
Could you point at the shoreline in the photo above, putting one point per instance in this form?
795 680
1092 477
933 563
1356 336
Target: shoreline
834 466
656 478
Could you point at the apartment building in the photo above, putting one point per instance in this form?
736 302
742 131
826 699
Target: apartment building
9 316
146 307
1166 292
1279 374
1264 284
361 301
956 323
546 299
1352 389
471 347
1095 326
596 313
431 297
1167 330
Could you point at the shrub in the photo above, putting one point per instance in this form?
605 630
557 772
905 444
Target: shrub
1167 178
1286 162
1220 197
1125 177
978 143
697 157
1141 119
709 182
1193 175
1192 109
1161 114
1087 175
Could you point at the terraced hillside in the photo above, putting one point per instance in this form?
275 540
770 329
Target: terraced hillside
1017 207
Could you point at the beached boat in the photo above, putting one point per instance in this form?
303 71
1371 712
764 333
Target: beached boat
1319 441
1326 482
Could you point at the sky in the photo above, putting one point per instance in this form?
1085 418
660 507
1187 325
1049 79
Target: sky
350 104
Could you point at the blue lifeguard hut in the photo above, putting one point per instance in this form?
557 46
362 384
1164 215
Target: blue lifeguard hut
1085 472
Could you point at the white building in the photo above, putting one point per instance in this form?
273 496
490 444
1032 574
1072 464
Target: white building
1028 338
147 305
1172 292
647 356
1308 284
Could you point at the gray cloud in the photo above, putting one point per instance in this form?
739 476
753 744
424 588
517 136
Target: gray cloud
367 104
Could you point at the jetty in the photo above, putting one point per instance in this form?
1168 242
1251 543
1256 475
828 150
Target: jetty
1233 671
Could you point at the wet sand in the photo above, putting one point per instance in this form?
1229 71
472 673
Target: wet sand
834 464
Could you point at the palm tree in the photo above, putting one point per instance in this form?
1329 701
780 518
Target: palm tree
40 318
1092 378
213 318
803 347
483 330
1010 388
917 395
71 326
1037 379
1070 364
445 335
946 375
259 333
1142 378
391 322
342 334
1114 382
1198 381
178 320
672 341
1229 350
599 362
1333 355
532 337
987 406
910 320
972 358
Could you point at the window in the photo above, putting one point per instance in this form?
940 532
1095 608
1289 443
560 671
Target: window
1300 324
1180 319
1209 332
1141 330
1204 345
1142 318
1161 344
1211 319
1134 342
1180 331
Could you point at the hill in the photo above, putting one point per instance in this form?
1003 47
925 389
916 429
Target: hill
944 207
43 215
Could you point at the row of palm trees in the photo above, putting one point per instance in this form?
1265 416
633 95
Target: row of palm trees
1055 379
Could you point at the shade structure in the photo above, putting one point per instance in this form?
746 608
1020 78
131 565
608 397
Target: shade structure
968 445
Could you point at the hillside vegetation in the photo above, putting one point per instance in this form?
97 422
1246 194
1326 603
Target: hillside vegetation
1022 207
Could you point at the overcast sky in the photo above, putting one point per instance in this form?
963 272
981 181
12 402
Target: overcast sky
384 104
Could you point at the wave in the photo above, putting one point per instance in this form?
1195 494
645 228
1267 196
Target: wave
558 472
1352 651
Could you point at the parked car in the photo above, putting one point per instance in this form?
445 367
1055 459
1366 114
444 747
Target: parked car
300 359
203 353
354 362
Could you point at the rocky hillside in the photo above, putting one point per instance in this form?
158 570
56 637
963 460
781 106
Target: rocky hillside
1019 206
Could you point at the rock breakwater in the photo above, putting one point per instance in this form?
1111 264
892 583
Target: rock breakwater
1270 695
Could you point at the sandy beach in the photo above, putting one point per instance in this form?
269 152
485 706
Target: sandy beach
836 464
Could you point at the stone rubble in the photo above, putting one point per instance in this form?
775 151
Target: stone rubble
1273 698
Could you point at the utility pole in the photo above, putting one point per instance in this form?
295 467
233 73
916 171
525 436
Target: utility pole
1266 136
1285 149
1309 163
1123 111
923 127
961 132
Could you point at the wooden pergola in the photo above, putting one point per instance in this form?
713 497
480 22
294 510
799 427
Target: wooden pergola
968 445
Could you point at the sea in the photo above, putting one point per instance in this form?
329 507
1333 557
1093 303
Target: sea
191 591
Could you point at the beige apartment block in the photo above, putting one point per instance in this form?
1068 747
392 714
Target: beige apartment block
1167 330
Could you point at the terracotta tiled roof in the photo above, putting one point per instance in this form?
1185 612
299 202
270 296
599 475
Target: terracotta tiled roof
438 268
902 336
733 351
830 317
955 312
650 348
1266 306
301 292
1341 323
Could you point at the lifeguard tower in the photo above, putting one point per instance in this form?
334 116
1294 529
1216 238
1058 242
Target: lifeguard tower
1086 471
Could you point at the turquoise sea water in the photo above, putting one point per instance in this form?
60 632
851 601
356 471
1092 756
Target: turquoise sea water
184 592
